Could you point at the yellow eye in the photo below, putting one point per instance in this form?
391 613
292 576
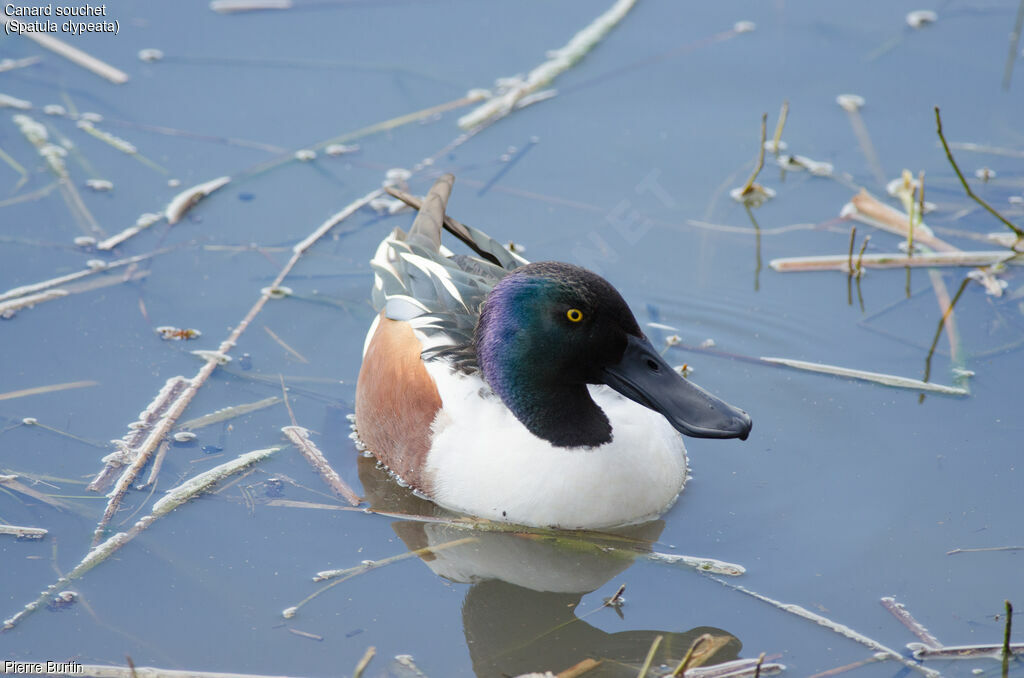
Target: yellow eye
574 315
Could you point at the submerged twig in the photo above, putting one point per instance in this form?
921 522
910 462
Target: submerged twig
281 342
12 483
300 438
227 413
36 390
967 187
560 60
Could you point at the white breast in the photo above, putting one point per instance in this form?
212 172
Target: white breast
486 463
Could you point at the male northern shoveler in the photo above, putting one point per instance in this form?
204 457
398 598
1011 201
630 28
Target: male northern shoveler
521 392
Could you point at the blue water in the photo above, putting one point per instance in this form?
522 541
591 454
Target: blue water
845 492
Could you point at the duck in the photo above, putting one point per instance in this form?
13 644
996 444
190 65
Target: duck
520 392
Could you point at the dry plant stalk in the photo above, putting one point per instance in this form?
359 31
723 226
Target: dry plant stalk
300 438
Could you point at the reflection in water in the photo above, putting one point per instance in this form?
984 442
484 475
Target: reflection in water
519 614
938 332
757 241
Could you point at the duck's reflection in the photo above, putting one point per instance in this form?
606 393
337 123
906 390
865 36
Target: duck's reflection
519 615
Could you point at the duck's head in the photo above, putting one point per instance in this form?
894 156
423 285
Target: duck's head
548 329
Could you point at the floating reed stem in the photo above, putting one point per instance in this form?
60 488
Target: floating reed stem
172 500
843 262
132 446
901 613
173 411
300 438
364 662
11 64
232 6
560 60
119 144
75 55
187 199
366 566
995 651
876 377
835 627
9 308
53 154
91 270
23 532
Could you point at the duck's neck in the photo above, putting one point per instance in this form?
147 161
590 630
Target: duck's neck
563 414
